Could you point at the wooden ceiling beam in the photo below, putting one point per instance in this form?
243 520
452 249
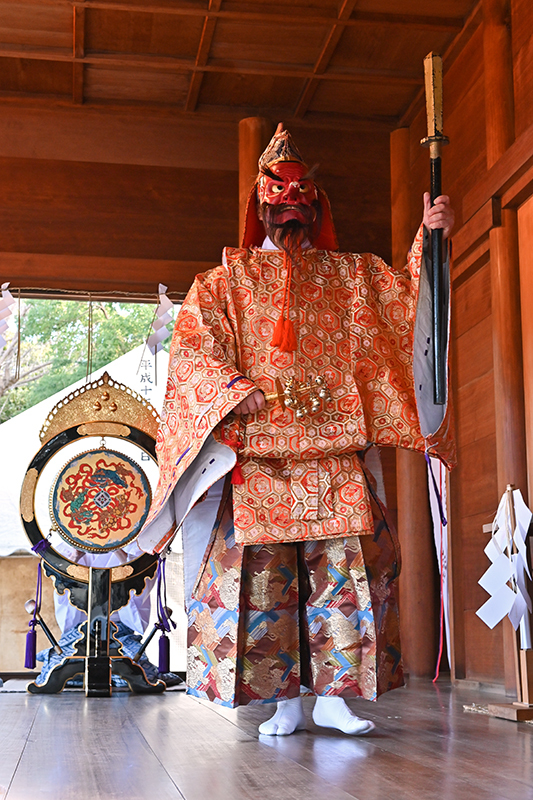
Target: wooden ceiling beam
426 22
209 113
78 51
179 65
411 21
202 55
284 18
324 57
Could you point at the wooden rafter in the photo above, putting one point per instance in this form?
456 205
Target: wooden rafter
277 17
285 17
78 52
324 57
208 31
170 64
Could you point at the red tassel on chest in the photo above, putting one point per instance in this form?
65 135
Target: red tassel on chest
284 336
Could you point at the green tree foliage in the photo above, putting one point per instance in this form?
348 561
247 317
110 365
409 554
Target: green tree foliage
54 334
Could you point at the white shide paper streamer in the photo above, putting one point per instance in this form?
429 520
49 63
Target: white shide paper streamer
505 579
162 319
6 301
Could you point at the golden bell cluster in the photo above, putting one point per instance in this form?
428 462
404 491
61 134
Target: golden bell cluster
303 397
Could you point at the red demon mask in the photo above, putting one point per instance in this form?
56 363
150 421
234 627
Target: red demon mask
284 179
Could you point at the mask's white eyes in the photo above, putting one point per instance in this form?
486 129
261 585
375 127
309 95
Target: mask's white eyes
277 188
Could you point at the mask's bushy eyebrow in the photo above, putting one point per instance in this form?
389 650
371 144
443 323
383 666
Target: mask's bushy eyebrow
266 171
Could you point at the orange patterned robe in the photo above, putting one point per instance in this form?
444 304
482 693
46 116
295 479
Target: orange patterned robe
354 318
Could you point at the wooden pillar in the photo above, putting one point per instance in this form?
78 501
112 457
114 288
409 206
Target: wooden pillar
505 273
505 279
418 580
253 138
498 71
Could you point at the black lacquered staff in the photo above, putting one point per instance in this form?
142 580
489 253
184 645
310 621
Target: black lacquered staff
435 140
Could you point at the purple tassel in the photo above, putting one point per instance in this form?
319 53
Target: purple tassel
31 636
31 649
41 546
164 653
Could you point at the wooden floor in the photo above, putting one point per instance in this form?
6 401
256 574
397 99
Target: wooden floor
171 746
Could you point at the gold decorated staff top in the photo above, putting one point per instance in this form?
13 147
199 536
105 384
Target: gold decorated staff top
433 82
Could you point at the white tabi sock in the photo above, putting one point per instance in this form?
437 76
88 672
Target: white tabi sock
332 712
289 717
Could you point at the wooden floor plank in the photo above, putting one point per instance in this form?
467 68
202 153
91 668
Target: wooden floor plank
17 714
84 748
173 747
422 735
209 757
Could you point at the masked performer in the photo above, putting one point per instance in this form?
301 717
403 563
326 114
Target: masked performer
288 363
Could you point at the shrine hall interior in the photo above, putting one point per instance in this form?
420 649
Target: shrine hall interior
129 134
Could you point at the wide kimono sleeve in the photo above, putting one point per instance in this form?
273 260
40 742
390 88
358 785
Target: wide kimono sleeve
393 354
204 385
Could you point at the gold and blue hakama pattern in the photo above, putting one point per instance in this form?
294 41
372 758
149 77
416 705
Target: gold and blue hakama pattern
265 619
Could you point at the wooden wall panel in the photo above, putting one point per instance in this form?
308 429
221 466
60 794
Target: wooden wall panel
116 210
484 655
471 425
474 493
111 136
472 304
474 481
521 27
474 353
158 187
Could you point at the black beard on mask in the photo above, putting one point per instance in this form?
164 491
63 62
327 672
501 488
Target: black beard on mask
290 236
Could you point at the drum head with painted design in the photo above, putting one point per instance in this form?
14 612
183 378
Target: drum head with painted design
100 501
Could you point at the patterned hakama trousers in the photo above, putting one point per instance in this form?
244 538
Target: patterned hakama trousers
266 619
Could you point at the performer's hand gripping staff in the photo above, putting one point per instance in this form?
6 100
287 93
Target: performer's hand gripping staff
437 219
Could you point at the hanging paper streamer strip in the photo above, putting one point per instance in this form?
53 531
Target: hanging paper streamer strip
506 578
161 319
437 499
6 301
